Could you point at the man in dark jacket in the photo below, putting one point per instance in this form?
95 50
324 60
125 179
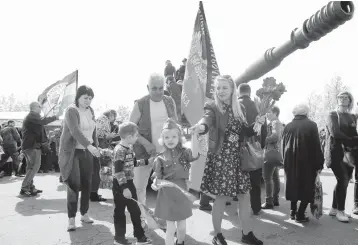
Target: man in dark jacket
34 137
11 139
179 75
255 176
169 69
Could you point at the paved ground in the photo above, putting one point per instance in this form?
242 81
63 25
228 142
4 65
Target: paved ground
43 220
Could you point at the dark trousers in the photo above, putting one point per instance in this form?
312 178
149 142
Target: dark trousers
79 180
120 204
301 209
12 152
255 192
272 181
343 174
96 179
46 163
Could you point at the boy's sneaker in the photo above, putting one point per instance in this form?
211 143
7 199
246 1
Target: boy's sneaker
143 240
251 239
86 219
71 224
27 193
122 241
219 240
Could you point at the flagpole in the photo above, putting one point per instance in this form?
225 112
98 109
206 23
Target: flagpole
76 80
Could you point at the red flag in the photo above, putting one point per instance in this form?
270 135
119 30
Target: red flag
59 95
201 70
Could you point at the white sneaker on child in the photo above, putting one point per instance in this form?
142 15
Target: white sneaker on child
86 219
71 224
333 212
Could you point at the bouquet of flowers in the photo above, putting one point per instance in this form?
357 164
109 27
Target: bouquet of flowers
317 205
267 95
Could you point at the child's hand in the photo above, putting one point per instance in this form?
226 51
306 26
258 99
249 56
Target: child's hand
127 194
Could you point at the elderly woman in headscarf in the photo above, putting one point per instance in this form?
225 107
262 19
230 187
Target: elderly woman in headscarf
105 136
303 160
341 153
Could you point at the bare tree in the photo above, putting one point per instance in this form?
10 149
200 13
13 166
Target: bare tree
331 92
321 104
314 102
123 113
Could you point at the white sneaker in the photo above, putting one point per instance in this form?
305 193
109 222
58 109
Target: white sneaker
342 216
71 224
333 212
86 219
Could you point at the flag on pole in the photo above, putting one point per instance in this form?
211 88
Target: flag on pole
198 87
59 95
201 70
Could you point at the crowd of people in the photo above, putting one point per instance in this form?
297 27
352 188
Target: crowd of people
151 146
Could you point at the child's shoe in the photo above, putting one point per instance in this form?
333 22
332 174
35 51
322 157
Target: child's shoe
143 240
122 241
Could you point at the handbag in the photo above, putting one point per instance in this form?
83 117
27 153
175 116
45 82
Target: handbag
348 157
252 156
317 205
273 156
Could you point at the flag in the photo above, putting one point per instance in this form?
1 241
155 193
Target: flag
198 87
59 95
201 70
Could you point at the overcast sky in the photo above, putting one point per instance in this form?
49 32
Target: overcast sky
115 45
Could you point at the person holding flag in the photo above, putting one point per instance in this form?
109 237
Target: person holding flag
34 138
223 175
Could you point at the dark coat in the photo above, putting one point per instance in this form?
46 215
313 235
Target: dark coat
302 158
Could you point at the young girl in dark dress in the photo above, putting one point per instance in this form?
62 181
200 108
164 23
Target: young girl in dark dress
173 165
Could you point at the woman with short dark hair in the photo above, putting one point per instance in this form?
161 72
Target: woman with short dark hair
78 146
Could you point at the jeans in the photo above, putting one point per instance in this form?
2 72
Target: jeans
343 174
141 177
272 182
120 205
33 160
96 179
79 180
255 192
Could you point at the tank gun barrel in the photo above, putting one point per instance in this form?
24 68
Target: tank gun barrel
334 14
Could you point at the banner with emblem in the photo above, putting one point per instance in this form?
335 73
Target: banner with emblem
198 86
59 95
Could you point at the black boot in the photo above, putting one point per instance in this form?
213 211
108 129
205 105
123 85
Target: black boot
293 214
268 204
219 239
276 202
251 239
301 218
96 198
